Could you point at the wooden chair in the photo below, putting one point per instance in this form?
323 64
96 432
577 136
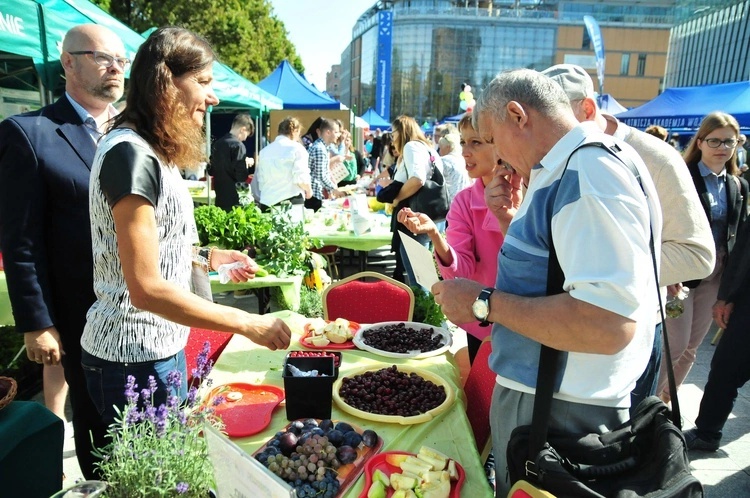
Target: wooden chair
478 389
384 300
330 253
196 339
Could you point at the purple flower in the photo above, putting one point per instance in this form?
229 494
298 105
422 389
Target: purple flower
152 383
192 394
218 400
150 414
182 488
173 402
202 364
146 396
174 380
130 390
133 416
161 420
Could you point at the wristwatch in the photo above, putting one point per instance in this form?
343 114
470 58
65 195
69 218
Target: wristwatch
481 307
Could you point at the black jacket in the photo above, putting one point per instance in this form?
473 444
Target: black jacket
737 195
45 233
228 168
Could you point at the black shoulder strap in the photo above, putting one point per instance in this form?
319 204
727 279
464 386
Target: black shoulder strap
549 358
700 187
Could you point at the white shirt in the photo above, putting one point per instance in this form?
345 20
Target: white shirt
282 167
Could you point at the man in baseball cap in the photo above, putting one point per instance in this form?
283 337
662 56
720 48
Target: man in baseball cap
687 247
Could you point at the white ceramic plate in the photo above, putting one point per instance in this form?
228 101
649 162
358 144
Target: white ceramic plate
446 340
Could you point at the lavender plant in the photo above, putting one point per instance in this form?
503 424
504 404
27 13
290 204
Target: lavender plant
158 451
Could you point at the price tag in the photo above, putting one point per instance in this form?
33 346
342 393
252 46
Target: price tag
238 474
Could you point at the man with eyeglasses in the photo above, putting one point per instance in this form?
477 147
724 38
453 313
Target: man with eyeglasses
45 161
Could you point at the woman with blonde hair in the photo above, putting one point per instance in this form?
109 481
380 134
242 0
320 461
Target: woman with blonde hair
473 237
711 159
414 168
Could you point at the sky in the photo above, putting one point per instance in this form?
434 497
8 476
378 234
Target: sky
320 31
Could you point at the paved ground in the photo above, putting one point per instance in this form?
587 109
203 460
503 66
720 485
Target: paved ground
725 473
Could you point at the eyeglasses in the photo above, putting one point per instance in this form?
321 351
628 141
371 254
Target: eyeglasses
729 143
105 60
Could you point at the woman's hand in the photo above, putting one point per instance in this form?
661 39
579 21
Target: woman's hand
268 331
674 289
222 257
721 311
417 223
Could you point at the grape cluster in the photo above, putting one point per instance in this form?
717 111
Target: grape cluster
307 458
398 338
391 392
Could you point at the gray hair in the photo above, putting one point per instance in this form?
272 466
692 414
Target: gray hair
525 86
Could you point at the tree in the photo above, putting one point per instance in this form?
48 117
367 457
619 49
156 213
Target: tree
244 33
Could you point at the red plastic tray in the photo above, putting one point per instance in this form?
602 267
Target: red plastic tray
252 413
378 463
353 326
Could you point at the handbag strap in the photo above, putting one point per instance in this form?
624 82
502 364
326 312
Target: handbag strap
550 359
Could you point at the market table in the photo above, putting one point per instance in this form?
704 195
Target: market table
202 197
290 288
449 432
379 235
6 313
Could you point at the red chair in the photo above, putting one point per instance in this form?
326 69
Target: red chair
385 300
478 389
196 339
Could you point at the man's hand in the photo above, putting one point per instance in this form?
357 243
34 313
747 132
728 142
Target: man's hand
721 311
44 346
269 331
503 196
455 298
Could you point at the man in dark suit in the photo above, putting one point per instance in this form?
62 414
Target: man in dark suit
229 162
45 162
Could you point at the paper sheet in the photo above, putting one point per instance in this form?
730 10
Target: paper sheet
421 261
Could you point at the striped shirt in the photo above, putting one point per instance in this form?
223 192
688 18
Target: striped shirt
600 226
115 330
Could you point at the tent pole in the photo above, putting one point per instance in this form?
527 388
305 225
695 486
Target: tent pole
208 154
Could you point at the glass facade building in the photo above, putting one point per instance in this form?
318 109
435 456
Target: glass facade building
438 45
712 47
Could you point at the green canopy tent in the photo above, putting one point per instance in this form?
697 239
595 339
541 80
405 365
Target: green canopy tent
35 29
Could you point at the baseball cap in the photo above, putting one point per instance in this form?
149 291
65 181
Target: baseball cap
574 80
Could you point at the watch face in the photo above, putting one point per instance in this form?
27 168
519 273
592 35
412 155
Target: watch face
480 309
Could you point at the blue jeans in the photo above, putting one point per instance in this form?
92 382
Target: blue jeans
106 381
646 384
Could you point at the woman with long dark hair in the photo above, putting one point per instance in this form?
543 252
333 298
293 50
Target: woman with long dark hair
143 230
711 159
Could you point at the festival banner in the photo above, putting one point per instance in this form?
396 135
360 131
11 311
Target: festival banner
596 39
383 81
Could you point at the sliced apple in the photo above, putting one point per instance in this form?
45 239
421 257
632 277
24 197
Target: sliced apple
377 490
399 481
395 459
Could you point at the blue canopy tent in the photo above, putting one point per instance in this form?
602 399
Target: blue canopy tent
608 104
374 120
296 92
454 119
683 109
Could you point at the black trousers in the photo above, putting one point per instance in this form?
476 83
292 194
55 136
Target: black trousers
313 203
730 370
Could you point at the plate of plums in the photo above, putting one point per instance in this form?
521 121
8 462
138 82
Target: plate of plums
395 394
403 340
321 458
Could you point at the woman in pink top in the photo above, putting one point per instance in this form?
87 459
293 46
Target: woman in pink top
473 237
